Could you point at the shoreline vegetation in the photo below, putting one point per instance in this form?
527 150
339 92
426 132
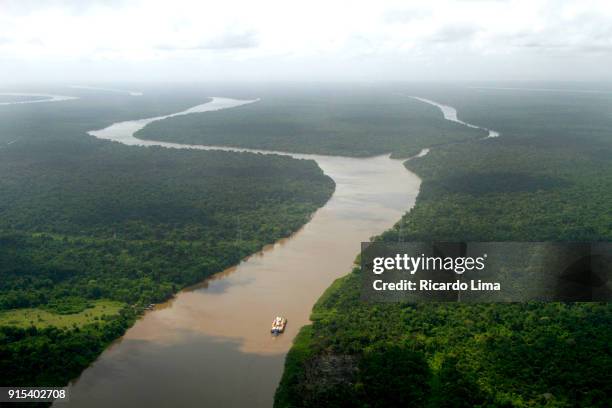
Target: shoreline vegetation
92 232
549 177
350 123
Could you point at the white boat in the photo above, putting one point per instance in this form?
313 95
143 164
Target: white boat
278 325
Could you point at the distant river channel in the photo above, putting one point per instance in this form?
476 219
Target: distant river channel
210 345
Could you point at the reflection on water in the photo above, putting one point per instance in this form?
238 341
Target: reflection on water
210 346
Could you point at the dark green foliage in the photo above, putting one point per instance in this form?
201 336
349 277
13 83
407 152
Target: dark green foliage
114 191
69 304
51 356
392 375
69 120
135 224
349 123
82 219
548 177
494 182
477 355
454 387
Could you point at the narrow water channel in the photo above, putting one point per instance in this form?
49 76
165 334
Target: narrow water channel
450 114
210 346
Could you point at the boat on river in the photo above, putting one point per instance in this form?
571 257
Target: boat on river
278 325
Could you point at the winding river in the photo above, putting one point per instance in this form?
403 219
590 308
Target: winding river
450 114
210 345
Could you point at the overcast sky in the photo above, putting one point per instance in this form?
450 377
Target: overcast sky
80 41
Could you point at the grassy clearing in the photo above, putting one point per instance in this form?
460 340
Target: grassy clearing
41 318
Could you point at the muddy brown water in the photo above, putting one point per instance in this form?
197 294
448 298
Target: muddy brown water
210 345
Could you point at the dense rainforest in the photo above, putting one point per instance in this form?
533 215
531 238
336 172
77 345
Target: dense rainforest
83 227
548 177
355 122
91 232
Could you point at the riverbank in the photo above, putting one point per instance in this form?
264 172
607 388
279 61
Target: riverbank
515 187
226 318
89 220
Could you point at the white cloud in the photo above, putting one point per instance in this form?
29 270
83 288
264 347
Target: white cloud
224 41
317 39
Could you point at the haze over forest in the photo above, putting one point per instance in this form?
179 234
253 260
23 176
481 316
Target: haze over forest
238 40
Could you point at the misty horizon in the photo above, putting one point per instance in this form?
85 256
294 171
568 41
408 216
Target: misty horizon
109 41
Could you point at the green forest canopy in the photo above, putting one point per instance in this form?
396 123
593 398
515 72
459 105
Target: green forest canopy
348 123
548 177
84 221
